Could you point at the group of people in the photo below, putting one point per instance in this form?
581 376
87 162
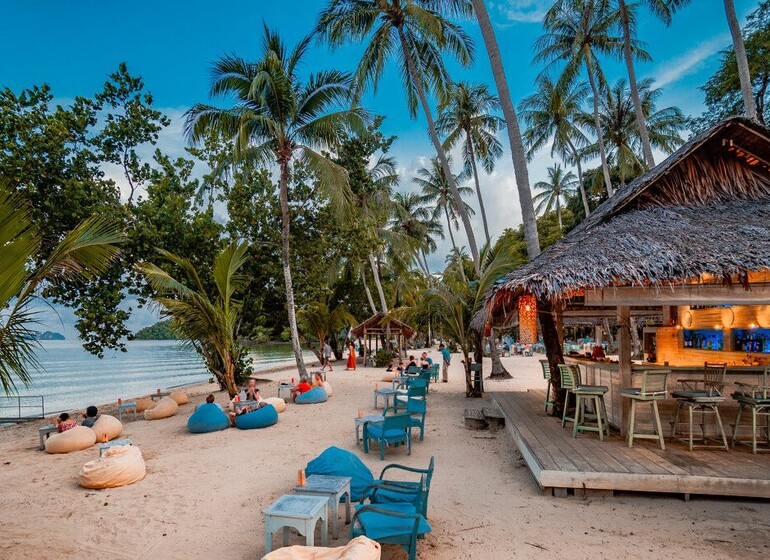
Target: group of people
425 362
66 422
327 353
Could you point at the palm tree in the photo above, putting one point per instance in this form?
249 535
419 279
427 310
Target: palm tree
277 118
84 253
559 184
663 9
553 112
412 225
435 190
466 117
418 33
518 153
576 32
619 128
209 322
743 62
322 321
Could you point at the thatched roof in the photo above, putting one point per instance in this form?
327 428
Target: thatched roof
379 323
704 210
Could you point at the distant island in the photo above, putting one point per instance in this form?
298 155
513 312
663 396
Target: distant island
48 335
159 331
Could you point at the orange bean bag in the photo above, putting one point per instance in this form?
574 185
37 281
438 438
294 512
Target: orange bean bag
74 439
145 403
119 466
180 397
278 404
327 387
164 408
360 548
107 424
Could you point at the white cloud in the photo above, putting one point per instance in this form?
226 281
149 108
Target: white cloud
523 11
677 68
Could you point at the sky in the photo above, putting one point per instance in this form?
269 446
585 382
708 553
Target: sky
74 45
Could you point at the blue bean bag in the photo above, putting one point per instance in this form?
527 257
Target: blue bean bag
260 418
313 396
338 462
208 417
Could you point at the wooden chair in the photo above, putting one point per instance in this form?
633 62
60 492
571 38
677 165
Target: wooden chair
417 409
383 485
757 399
547 376
412 392
654 388
570 380
395 428
434 372
705 400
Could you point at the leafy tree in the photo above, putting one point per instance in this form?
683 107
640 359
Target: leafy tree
558 186
321 322
162 330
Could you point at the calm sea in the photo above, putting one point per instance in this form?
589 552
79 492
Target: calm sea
71 378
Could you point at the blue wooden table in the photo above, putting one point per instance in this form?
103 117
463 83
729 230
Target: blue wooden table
385 394
334 488
300 512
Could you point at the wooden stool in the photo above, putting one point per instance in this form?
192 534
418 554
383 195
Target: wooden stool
705 400
654 388
547 376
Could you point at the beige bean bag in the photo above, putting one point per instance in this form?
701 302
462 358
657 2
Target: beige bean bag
279 404
359 548
143 404
180 397
119 466
109 425
164 408
389 376
74 439
327 388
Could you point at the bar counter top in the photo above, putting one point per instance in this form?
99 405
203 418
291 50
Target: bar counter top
613 366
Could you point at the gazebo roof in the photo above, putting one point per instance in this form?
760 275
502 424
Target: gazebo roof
379 323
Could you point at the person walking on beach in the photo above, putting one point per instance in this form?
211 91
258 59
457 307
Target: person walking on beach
327 355
351 366
447 358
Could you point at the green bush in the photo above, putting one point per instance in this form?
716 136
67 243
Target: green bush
383 357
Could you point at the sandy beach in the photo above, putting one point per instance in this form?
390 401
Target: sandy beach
203 495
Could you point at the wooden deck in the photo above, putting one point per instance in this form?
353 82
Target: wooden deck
562 464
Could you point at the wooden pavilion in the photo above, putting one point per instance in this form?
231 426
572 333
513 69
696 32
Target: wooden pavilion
379 326
689 241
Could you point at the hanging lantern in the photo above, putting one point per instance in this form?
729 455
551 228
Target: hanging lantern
527 319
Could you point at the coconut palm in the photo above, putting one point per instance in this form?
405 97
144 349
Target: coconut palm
413 227
553 113
466 117
323 322
518 153
208 322
743 62
559 185
418 33
577 31
279 119
435 190
618 120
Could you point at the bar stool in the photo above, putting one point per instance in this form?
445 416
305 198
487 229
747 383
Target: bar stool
705 400
547 376
757 399
654 388
570 380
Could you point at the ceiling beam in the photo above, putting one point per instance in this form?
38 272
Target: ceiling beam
693 294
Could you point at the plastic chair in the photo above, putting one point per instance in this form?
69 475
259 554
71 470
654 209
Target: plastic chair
705 400
395 428
757 399
654 388
547 376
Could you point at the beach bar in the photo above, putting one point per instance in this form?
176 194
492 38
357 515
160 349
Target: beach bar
686 246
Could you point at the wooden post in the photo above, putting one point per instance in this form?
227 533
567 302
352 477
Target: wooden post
624 362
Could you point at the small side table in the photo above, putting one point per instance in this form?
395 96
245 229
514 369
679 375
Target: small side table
300 512
158 396
46 431
333 488
284 392
237 405
373 418
126 406
114 443
385 394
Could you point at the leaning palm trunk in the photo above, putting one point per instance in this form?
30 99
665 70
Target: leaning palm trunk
368 292
472 157
378 283
454 245
518 153
582 187
598 124
417 80
558 214
498 369
644 134
285 223
743 62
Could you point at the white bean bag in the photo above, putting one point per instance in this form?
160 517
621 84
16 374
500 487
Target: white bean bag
145 403
278 404
164 408
360 548
109 425
389 376
74 439
327 387
119 466
180 397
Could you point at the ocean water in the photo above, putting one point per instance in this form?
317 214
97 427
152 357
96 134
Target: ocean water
71 378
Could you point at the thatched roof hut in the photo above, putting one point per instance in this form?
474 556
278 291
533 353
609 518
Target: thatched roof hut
378 325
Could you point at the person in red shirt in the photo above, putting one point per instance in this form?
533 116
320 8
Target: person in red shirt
302 387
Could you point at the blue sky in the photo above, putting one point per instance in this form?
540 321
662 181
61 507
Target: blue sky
73 45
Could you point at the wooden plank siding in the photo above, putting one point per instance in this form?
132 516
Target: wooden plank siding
556 460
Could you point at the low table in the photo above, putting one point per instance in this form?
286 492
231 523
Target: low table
333 488
114 443
158 396
300 512
386 394
237 405
373 418
284 390
46 431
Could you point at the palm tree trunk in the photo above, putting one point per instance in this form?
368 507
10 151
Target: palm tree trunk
498 369
427 268
378 283
472 156
417 80
598 124
368 293
454 245
743 62
285 227
518 153
641 123
583 194
558 214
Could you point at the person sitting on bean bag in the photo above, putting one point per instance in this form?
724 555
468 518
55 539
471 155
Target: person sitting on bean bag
302 387
64 422
318 380
236 411
89 419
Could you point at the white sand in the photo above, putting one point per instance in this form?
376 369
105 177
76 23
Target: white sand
204 494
